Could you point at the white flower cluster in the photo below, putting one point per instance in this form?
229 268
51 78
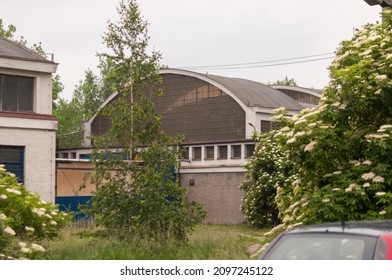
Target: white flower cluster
352 187
9 231
372 176
377 136
368 176
30 229
13 191
33 248
309 147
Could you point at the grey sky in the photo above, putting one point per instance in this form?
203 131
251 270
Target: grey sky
198 33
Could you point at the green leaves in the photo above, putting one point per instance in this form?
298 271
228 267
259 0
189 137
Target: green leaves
25 219
339 151
137 192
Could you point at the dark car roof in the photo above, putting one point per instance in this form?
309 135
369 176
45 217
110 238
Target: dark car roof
373 228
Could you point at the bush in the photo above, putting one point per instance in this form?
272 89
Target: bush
25 219
267 170
340 150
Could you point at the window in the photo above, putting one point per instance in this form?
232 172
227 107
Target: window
210 152
196 153
236 151
266 126
16 93
185 153
222 152
249 150
321 246
13 159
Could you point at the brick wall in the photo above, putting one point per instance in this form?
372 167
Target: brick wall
219 193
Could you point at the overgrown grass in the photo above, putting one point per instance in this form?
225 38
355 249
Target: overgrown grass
208 242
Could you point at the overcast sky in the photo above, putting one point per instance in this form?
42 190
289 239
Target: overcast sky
192 33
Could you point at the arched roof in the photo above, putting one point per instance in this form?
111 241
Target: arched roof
247 93
314 92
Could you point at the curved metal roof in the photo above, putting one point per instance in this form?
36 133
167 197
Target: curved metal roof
250 93
255 94
13 50
314 92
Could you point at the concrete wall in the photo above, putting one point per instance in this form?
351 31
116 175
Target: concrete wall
219 193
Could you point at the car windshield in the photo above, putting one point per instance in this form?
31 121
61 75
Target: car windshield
322 246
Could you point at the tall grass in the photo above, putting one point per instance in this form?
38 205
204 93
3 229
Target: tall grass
207 242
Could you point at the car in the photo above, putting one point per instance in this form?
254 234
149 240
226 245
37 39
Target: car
356 240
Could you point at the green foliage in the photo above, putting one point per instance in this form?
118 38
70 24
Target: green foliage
6 32
57 88
267 170
285 82
339 150
207 242
70 124
137 198
71 115
143 199
25 219
89 94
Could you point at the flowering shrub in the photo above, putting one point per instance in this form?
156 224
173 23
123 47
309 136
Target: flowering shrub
24 219
260 188
340 150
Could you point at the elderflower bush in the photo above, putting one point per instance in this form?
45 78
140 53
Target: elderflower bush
258 203
25 219
340 150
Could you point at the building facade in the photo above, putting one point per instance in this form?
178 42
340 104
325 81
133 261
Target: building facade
217 115
27 126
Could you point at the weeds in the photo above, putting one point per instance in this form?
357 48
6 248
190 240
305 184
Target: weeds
208 242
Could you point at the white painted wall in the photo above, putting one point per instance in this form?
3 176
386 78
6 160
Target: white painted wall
42 90
36 135
39 158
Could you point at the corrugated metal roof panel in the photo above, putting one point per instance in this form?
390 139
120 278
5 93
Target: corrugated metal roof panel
255 94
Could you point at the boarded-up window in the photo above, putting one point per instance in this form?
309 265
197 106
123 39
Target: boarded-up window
210 152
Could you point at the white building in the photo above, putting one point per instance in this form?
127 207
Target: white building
27 126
